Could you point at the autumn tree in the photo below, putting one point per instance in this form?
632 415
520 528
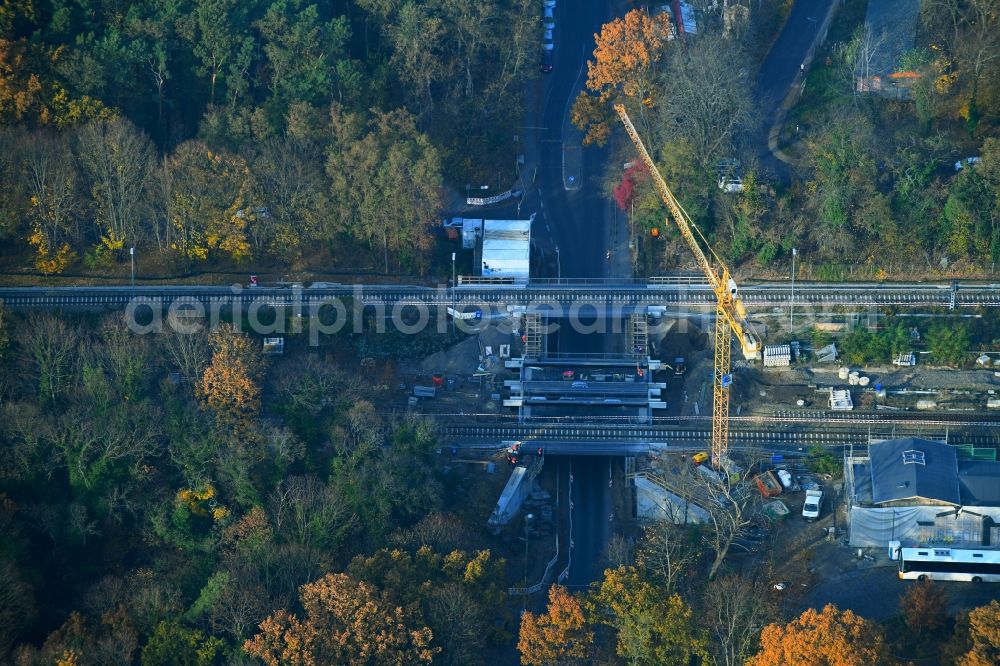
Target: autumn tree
31 92
230 385
629 54
460 594
52 182
208 194
924 607
289 176
387 182
173 643
653 625
188 351
345 621
561 635
119 161
828 637
984 634
732 508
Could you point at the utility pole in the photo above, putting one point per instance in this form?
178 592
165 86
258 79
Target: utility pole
131 254
453 293
791 305
558 265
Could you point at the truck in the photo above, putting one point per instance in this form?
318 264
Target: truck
814 502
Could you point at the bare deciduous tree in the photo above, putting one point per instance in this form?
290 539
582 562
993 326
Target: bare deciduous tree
734 610
707 97
667 552
51 343
189 352
118 160
731 508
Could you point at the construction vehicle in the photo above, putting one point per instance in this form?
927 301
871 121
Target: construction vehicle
730 313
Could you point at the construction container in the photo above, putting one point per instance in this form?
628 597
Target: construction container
993 403
776 509
767 484
926 404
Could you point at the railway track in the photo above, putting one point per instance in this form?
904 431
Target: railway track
971 420
672 435
540 295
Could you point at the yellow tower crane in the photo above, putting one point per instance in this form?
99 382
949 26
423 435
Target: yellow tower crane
730 314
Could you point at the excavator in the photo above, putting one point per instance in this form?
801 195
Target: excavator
730 314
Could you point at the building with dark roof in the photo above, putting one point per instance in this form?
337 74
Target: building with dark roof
979 482
911 471
890 32
922 492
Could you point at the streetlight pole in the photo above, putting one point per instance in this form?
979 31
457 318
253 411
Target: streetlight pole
131 254
791 305
453 293
558 265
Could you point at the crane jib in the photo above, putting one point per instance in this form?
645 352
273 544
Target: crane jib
731 315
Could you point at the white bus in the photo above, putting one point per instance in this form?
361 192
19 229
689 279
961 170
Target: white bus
933 563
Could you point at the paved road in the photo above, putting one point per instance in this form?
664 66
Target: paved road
572 212
573 216
874 593
592 526
781 67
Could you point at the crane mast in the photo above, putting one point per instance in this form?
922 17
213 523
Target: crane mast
730 313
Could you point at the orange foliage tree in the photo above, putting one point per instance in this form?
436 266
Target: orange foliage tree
830 637
560 635
230 385
984 631
626 61
924 606
346 622
627 54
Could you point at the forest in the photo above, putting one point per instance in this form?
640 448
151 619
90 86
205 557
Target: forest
179 498
218 132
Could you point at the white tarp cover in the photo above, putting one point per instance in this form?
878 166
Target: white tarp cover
518 487
507 248
877 526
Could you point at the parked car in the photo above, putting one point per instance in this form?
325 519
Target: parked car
549 24
549 4
549 13
546 61
968 161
